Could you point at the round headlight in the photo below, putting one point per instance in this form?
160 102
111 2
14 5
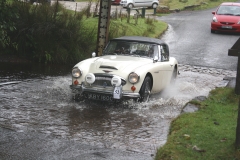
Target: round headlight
76 72
116 81
90 78
133 78
214 19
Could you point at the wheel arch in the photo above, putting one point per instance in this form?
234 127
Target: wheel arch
175 73
130 4
150 75
176 67
142 91
154 5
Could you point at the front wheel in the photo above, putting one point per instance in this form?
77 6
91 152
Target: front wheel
130 5
145 90
154 5
174 75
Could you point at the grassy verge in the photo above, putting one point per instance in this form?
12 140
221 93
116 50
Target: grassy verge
203 4
141 27
207 134
181 4
119 26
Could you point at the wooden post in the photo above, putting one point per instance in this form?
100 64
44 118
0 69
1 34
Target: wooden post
235 51
128 15
103 25
237 143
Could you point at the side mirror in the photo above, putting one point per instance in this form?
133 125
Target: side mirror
93 54
213 12
155 59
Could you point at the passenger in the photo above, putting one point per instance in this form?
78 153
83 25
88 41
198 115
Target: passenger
150 52
153 51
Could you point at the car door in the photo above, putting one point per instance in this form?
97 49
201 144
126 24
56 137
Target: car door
164 53
139 3
163 69
146 3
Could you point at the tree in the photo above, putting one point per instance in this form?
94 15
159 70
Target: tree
6 24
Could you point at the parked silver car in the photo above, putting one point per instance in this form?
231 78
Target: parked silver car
139 3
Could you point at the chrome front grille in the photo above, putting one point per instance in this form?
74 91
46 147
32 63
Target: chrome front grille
100 82
227 23
104 80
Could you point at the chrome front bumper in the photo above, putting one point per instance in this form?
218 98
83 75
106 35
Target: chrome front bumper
82 89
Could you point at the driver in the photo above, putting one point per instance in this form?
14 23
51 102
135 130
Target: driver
122 48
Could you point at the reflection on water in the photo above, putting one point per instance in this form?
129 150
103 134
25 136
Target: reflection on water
21 71
41 101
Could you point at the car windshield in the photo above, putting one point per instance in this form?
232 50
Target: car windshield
229 10
127 48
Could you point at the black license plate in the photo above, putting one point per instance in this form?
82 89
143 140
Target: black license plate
99 97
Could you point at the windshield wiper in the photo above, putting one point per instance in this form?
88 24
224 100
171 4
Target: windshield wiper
228 14
225 14
111 53
135 55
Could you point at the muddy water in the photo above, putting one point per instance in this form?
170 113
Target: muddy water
38 98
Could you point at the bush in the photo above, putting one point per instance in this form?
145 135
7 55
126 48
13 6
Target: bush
51 34
7 14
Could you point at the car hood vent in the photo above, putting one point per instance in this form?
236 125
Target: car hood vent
108 67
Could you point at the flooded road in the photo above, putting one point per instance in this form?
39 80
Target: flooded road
39 119
37 99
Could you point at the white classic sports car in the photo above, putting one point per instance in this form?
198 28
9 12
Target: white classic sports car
131 67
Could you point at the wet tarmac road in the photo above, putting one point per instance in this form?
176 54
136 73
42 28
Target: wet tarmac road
39 120
191 41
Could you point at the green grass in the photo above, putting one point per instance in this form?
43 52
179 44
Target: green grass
204 4
140 27
81 0
212 130
180 4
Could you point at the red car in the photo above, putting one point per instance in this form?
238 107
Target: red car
116 2
226 18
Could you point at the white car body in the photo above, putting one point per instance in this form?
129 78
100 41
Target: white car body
139 3
100 71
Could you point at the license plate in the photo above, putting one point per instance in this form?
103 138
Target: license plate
117 93
227 27
100 97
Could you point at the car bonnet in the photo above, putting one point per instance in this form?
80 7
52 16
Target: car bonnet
119 63
228 18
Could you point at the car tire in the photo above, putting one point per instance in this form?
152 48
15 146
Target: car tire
174 75
154 5
212 31
130 5
145 90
